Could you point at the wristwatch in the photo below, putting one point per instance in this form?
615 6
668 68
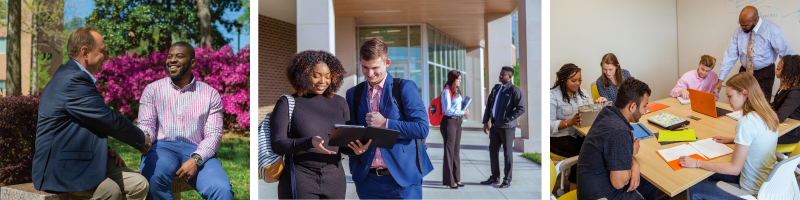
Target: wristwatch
198 160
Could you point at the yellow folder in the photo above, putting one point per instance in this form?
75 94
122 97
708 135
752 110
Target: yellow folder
676 136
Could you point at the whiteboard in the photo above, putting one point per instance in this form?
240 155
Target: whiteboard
642 34
706 27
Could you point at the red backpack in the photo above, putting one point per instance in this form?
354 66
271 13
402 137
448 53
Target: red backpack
435 111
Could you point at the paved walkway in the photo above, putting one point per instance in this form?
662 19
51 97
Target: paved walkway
475 168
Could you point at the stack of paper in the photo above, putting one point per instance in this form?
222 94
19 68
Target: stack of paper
684 101
735 115
706 149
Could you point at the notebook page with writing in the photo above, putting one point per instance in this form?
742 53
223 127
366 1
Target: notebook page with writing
676 152
710 148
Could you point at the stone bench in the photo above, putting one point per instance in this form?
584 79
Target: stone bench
28 192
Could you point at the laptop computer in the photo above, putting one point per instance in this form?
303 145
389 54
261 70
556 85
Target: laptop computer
703 102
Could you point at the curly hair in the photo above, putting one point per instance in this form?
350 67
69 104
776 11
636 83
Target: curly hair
565 73
790 74
301 68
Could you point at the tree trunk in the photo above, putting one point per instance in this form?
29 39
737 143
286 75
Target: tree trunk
204 13
34 55
13 61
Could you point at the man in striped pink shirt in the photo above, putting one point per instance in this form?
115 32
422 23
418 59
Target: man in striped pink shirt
702 79
184 117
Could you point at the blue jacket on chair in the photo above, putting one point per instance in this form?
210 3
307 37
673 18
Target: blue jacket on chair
72 133
401 160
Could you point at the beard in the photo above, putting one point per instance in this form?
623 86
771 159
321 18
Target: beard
636 115
183 70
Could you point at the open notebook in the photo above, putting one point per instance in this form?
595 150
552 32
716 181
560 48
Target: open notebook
706 149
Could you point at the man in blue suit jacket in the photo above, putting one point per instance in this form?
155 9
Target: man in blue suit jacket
388 173
72 153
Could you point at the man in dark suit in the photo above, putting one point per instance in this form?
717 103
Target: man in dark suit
504 106
72 153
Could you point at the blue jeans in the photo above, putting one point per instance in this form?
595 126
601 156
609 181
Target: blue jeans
385 187
709 190
161 163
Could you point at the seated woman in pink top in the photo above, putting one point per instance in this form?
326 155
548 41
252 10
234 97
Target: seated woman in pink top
702 79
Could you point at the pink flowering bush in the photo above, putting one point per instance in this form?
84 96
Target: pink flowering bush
124 78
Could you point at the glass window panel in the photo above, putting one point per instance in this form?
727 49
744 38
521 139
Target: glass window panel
431 45
397 72
3 50
416 75
416 43
396 37
432 89
440 48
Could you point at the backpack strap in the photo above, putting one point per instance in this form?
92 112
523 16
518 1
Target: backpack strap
356 102
397 89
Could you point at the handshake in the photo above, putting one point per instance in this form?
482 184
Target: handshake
147 143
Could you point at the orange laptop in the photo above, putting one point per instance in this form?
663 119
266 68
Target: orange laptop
703 102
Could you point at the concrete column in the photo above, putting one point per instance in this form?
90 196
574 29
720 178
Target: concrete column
533 81
315 25
499 47
346 51
474 81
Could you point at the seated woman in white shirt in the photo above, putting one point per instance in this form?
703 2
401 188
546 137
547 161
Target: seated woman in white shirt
566 96
756 138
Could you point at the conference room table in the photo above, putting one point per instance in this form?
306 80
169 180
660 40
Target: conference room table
657 171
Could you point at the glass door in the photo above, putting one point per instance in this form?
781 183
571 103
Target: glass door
399 70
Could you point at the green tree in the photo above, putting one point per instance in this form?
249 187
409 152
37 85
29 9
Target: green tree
147 25
244 19
46 17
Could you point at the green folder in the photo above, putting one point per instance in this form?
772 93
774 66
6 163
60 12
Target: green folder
686 135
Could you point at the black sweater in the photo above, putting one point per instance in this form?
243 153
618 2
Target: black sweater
787 105
314 115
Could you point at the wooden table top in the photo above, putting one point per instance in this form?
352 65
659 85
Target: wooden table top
655 169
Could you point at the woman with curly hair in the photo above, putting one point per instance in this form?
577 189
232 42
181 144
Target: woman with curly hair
313 168
566 96
787 100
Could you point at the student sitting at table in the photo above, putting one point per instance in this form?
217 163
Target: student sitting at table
566 96
608 83
702 79
756 138
607 154
787 100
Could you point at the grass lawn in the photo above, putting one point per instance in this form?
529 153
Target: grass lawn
535 157
234 153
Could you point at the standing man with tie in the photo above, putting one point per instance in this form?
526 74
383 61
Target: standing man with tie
504 106
757 43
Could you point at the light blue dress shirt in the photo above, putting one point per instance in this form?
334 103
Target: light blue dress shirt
94 80
452 107
770 45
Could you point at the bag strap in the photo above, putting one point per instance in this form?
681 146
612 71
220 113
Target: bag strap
356 102
289 158
397 89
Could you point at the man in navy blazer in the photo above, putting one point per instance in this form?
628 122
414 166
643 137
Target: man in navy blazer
72 153
388 173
